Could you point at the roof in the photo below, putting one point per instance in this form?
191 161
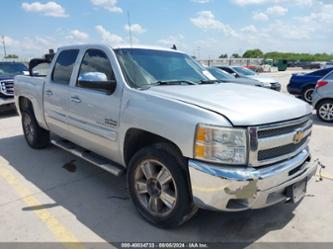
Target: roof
82 46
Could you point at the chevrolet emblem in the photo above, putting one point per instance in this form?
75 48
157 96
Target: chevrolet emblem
298 136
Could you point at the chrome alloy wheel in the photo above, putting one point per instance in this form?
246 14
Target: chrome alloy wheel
326 112
155 188
29 129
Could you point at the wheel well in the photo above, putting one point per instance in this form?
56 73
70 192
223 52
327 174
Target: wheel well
137 139
321 101
24 104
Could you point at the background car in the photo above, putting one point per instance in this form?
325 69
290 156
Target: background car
323 98
242 72
303 84
8 70
328 64
228 78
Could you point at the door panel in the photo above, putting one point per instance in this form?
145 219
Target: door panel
56 92
93 113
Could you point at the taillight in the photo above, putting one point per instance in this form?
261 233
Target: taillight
321 84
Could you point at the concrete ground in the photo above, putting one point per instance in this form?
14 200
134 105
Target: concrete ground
41 201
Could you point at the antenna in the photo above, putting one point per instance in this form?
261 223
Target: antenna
4 46
129 28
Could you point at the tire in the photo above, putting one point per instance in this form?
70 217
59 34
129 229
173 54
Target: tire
36 137
307 94
165 200
325 111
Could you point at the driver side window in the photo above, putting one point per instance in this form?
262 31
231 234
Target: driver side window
96 67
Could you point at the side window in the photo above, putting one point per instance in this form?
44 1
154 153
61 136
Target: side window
64 65
329 76
95 67
228 70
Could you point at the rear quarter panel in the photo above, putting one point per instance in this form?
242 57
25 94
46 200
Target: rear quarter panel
31 88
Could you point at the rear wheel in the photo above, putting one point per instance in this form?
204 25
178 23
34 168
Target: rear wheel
325 111
35 136
307 94
158 188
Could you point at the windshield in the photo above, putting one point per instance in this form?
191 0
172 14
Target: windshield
220 74
244 71
143 67
10 69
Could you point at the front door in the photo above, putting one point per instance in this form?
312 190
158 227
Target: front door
94 113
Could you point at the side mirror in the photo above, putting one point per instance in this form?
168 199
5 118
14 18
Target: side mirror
235 75
97 81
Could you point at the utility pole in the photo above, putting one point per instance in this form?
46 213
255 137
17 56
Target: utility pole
129 28
4 46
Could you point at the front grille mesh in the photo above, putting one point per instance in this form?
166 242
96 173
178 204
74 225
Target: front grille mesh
279 131
7 87
280 151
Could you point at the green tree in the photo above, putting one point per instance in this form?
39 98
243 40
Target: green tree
253 53
235 55
223 56
11 56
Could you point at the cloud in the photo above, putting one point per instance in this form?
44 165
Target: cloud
48 9
249 29
110 5
201 1
260 16
248 2
178 40
206 20
77 36
108 37
135 28
277 10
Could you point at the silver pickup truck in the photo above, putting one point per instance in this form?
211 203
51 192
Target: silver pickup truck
185 140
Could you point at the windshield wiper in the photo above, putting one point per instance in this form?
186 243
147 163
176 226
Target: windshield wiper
168 83
210 81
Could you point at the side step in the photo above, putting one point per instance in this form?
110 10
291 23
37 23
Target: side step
89 156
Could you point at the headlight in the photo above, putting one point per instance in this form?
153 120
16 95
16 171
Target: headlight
221 145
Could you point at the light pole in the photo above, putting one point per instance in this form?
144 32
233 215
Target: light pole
4 46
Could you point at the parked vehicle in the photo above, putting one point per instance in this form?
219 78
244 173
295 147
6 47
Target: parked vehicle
8 70
228 78
309 65
185 143
328 64
323 98
242 72
303 84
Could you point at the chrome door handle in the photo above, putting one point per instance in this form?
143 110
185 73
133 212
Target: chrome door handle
75 99
49 93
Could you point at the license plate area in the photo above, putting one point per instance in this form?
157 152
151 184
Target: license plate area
297 191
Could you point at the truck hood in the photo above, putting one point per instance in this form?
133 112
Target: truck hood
247 81
241 105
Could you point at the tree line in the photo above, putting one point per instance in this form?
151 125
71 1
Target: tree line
257 53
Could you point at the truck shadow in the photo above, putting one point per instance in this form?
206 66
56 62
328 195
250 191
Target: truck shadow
100 202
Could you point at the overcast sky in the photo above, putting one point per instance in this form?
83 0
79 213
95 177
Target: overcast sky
199 27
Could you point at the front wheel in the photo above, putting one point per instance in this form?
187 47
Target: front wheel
158 188
36 137
325 111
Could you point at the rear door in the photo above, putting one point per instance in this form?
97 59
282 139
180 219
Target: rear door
56 92
94 114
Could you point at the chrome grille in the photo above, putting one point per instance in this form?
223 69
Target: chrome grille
7 87
276 142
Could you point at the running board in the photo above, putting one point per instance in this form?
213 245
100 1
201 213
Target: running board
89 156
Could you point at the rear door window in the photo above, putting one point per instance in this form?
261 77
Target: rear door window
329 76
64 66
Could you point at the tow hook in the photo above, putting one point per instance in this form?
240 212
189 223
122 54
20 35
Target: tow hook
321 176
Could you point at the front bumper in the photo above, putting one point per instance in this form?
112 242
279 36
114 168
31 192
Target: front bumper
6 101
236 189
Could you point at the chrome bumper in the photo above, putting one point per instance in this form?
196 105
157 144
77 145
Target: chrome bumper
6 101
236 189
